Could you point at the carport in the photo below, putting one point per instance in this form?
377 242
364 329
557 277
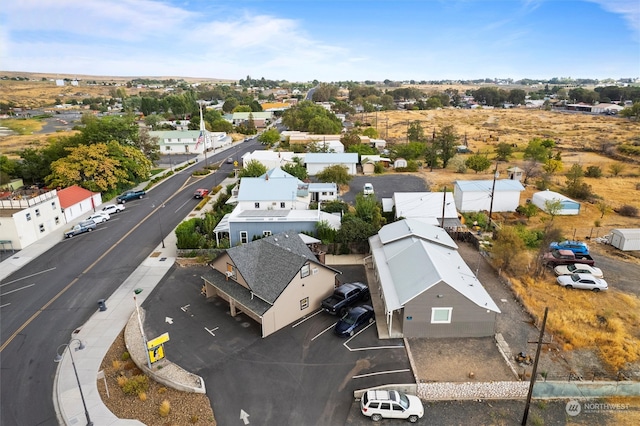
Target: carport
240 299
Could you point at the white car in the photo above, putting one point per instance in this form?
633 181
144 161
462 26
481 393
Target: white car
583 281
391 404
578 268
368 189
113 208
99 217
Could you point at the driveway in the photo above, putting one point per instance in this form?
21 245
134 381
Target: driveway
385 185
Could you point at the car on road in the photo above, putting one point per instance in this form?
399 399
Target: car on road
201 193
230 160
99 217
80 228
578 268
113 208
582 281
368 189
391 404
355 318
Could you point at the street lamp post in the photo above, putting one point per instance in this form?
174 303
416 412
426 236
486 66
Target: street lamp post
59 358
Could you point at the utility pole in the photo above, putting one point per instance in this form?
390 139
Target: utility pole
203 132
535 368
444 203
493 189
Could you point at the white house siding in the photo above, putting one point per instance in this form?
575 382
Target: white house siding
467 318
83 207
504 199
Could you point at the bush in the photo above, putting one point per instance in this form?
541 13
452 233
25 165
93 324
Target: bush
125 356
378 168
136 385
628 211
165 408
593 171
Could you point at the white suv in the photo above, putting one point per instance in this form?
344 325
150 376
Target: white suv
390 404
368 189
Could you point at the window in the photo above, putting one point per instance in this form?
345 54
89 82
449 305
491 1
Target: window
57 219
38 212
41 228
53 205
28 216
441 315
385 406
304 271
231 271
396 407
266 233
304 303
244 237
282 205
167 148
324 193
257 205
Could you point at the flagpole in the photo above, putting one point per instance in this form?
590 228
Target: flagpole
203 131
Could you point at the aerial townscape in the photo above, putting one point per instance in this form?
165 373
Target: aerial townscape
322 213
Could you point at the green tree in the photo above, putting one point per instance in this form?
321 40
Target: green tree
503 151
350 139
90 167
34 166
337 174
370 132
631 112
324 126
296 169
353 229
253 168
507 250
8 169
552 207
616 168
446 140
539 150
300 116
242 108
552 166
415 132
368 209
362 149
478 162
229 105
575 185
325 92
269 137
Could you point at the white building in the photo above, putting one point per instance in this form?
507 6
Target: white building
271 159
475 195
317 162
427 207
189 141
568 206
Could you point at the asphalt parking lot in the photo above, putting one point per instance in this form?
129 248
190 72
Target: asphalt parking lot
303 374
385 185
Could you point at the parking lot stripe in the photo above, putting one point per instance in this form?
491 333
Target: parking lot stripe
359 376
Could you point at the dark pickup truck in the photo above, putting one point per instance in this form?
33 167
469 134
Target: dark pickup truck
130 195
344 297
566 257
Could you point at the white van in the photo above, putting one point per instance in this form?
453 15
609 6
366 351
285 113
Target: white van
391 404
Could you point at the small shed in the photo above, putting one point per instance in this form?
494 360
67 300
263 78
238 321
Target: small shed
400 163
515 173
569 206
475 195
626 239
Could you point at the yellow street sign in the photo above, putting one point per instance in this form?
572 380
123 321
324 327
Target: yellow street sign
156 354
158 341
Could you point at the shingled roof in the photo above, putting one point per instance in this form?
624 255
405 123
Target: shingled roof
268 265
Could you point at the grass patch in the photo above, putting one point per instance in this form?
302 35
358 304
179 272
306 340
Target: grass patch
22 126
607 321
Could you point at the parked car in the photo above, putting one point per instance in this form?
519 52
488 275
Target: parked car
81 228
353 320
99 217
578 268
368 189
578 247
201 193
583 281
566 257
345 296
391 404
130 195
113 208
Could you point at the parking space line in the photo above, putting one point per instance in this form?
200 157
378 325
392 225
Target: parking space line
323 331
359 376
306 318
17 289
6 304
211 331
28 276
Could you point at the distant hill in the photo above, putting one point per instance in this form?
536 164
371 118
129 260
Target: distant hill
80 77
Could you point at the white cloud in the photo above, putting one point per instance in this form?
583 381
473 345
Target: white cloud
629 9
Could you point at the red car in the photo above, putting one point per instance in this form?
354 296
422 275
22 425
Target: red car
201 193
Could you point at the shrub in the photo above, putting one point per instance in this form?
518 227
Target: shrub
165 408
122 380
628 211
593 171
142 396
378 168
116 364
135 385
194 419
162 390
125 356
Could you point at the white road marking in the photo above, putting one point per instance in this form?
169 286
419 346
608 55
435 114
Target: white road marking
323 331
28 276
181 206
211 331
244 416
359 376
304 319
184 308
17 289
6 304
169 320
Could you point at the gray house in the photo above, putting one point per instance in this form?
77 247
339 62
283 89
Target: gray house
275 281
427 289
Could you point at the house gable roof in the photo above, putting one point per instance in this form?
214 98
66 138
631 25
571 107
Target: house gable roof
486 185
415 228
73 195
264 188
268 265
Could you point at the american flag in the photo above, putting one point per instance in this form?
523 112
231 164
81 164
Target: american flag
200 138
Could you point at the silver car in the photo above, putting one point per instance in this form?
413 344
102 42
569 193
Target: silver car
583 281
578 268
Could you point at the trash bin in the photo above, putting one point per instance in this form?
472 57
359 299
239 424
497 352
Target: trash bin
101 305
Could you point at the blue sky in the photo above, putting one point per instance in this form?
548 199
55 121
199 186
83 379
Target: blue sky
303 40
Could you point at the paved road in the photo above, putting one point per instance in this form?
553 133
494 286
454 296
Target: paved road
385 185
49 297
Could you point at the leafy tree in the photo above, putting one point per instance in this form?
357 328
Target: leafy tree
368 209
147 144
269 137
123 129
507 250
300 116
575 185
354 229
325 92
478 162
370 132
324 125
296 169
362 149
338 174
242 108
152 120
552 207
504 151
539 150
7 169
409 151
221 125
631 112
229 105
603 208
325 232
253 168
517 96
90 167
552 166
529 210
616 168
593 171
415 132
350 139
446 140
34 166
132 161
